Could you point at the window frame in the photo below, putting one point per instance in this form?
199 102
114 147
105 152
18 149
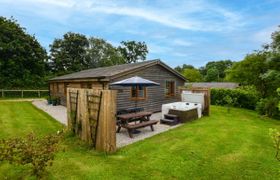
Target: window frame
137 92
171 89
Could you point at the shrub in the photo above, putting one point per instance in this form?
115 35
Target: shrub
269 107
275 135
39 152
240 97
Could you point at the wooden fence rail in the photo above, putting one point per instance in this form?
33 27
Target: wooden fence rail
39 91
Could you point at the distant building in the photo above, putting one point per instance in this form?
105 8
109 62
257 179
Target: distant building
226 85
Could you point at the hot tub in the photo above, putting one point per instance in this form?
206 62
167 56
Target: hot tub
182 106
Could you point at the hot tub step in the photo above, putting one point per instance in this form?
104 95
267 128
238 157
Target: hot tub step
169 121
170 116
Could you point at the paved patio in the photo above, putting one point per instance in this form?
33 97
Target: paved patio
60 114
57 112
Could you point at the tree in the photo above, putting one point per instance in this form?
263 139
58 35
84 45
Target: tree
250 70
192 75
69 53
101 53
180 69
216 70
212 75
133 51
22 58
275 44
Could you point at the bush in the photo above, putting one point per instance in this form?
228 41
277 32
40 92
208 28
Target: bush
241 97
39 152
269 107
275 135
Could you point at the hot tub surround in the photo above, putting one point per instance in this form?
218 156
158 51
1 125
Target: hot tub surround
182 106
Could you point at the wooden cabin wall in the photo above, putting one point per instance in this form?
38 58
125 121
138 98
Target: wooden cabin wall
155 95
58 89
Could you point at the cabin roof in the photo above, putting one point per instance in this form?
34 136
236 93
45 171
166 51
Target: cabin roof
111 71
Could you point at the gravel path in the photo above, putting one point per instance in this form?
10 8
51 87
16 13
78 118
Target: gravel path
57 112
60 114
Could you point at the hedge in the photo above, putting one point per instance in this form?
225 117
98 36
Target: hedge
241 98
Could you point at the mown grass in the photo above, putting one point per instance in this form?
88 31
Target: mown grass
233 145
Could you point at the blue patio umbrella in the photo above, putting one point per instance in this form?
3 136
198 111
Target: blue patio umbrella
135 81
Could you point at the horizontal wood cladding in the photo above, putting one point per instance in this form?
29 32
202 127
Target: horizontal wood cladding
155 95
58 89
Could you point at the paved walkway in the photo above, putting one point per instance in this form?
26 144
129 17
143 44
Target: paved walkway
57 112
60 114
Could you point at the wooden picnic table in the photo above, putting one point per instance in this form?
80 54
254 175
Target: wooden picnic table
129 116
143 117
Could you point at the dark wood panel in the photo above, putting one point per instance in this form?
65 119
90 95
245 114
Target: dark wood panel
155 95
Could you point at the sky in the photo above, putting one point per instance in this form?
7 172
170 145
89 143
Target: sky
175 31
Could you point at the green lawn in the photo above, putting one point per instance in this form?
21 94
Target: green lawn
233 145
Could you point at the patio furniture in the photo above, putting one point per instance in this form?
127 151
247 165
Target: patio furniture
143 118
132 127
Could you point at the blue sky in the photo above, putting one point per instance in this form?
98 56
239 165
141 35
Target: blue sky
176 31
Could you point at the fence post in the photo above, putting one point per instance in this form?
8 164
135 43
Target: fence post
69 124
106 136
21 93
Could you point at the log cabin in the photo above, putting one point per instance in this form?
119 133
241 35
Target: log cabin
149 98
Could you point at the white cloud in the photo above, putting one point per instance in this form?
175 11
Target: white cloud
181 42
178 54
264 36
180 15
158 49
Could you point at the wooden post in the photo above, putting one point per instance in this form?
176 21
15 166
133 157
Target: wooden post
69 125
21 93
2 93
106 136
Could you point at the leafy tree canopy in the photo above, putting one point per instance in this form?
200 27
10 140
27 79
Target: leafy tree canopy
133 51
101 53
261 68
69 53
180 69
192 75
22 58
216 70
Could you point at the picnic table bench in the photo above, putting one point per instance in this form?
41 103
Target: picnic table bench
143 117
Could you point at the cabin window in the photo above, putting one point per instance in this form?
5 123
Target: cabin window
86 85
170 88
138 93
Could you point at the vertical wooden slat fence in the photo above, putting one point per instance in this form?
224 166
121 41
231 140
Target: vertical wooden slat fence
94 119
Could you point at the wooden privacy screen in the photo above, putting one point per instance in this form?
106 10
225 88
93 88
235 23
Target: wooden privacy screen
91 116
207 97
